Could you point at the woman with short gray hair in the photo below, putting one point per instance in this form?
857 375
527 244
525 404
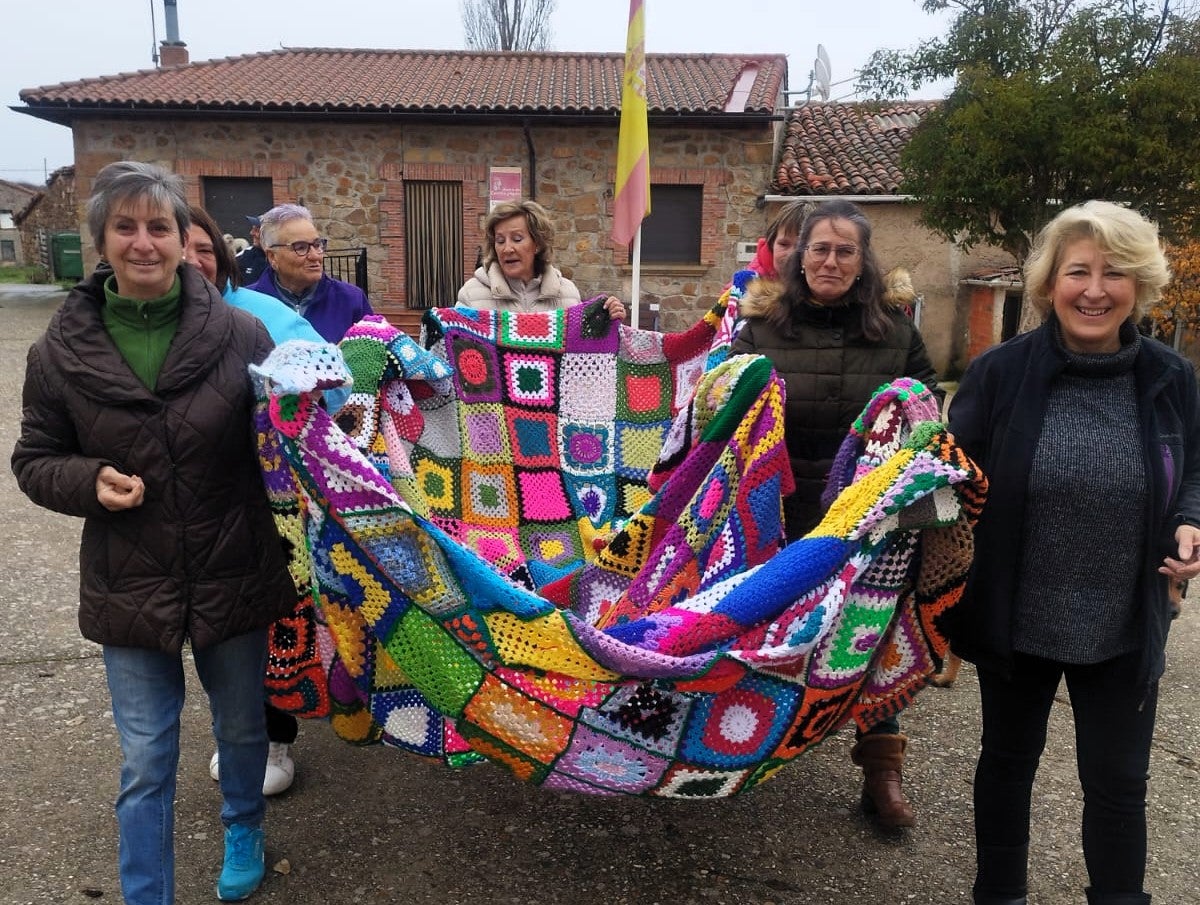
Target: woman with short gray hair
137 417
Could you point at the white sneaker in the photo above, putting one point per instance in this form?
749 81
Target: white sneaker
281 769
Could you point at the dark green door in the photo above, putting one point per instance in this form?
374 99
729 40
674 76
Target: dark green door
66 256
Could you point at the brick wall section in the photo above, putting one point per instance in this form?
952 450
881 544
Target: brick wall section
352 178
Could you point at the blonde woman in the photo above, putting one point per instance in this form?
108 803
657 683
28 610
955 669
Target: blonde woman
1090 436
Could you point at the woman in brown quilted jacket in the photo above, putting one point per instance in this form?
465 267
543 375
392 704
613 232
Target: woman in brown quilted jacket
137 412
834 340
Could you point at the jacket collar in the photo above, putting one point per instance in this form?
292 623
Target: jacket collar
92 364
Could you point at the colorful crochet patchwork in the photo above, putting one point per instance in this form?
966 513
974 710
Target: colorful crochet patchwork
597 595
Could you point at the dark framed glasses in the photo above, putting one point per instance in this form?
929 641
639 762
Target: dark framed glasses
301 248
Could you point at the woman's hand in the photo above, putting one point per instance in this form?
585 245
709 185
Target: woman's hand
615 308
117 491
1187 566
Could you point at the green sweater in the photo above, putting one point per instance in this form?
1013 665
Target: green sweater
142 331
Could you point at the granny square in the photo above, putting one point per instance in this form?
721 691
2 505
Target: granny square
530 379
489 494
611 763
532 438
739 728
637 447
438 481
477 376
558 547
542 330
586 447
485 434
543 497
645 393
580 395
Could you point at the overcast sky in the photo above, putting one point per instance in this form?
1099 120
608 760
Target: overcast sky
52 41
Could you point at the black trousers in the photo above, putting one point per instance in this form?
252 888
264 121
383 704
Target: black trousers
281 725
1114 725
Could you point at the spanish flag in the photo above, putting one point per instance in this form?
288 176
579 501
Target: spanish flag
632 202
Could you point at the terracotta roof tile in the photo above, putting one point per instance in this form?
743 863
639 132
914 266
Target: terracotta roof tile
426 81
846 148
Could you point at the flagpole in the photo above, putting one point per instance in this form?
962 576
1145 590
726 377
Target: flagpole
635 290
631 195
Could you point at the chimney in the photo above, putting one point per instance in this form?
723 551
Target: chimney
173 52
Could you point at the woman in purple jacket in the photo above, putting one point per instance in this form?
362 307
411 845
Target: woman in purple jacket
296 275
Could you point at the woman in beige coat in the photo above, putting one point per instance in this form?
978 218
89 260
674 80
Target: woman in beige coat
516 274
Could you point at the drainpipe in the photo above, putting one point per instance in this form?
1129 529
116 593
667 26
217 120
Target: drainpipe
532 161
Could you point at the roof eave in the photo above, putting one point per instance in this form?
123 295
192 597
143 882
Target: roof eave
66 114
881 198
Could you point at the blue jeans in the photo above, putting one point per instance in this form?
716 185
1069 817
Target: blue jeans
1114 725
147 689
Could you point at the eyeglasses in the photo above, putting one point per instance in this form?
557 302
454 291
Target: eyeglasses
843 253
301 248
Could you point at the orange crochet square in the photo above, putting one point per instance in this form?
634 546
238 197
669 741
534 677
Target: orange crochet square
528 725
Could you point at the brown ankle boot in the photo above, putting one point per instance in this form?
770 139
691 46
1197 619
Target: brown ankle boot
881 757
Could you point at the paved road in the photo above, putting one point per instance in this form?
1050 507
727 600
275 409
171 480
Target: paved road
373 825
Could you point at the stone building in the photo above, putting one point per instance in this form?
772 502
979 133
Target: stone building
51 211
401 152
13 198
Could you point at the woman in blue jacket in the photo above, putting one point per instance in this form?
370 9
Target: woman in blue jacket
1090 436
207 251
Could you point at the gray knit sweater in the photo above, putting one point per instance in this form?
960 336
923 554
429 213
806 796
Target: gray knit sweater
1085 517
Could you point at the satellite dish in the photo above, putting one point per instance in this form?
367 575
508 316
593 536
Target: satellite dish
822 74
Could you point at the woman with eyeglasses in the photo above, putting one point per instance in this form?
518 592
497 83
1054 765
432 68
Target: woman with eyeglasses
834 340
516 273
296 273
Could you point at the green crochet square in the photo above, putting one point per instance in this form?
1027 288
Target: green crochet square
847 653
439 666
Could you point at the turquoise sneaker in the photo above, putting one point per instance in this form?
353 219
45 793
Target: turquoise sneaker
244 863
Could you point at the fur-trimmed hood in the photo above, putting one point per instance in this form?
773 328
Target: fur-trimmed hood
763 298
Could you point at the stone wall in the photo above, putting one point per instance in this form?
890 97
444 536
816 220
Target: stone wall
14 198
352 178
56 210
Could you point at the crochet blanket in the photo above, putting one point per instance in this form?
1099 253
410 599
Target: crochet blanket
572 563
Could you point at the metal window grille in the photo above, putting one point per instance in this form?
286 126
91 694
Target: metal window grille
348 265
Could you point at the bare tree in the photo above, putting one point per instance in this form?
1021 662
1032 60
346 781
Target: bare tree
507 24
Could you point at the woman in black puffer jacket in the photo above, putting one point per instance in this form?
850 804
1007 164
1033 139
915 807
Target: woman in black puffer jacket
834 340
137 416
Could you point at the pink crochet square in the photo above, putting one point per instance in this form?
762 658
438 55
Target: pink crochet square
543 498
